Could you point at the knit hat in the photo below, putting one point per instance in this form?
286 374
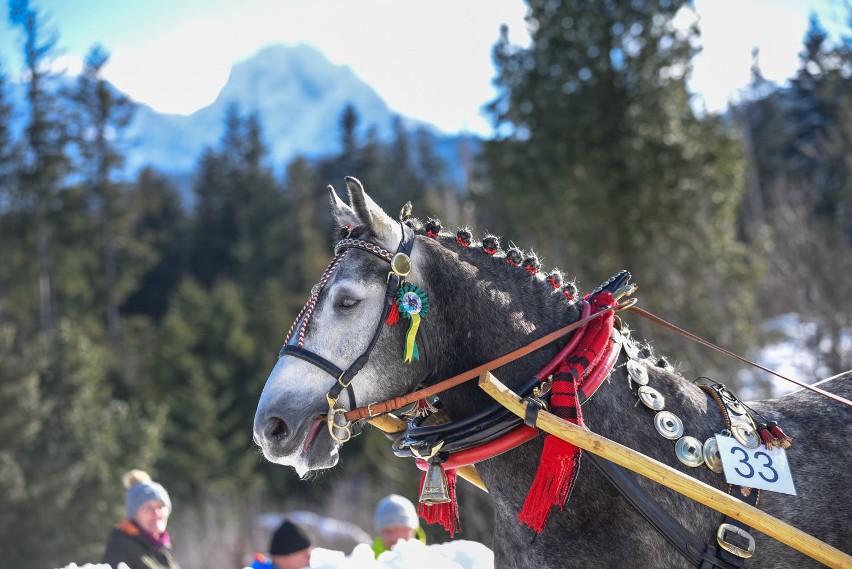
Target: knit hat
141 489
396 510
287 539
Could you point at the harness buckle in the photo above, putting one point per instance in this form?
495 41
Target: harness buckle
343 385
721 538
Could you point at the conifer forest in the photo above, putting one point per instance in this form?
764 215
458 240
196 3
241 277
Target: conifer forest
139 321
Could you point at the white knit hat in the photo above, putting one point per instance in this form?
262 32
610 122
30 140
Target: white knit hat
395 510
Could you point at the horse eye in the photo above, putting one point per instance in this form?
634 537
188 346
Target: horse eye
348 302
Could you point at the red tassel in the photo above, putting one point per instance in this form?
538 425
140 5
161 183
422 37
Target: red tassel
781 438
446 514
553 482
765 436
393 315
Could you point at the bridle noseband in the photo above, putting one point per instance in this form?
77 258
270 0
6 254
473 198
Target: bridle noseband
400 264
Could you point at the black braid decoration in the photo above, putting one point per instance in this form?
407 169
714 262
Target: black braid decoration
531 264
514 257
570 291
554 279
491 244
464 237
433 227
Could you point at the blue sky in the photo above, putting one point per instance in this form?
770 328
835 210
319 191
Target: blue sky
428 60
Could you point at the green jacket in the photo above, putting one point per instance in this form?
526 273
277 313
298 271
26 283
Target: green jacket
379 546
126 544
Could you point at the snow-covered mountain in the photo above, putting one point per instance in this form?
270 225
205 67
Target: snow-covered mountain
297 94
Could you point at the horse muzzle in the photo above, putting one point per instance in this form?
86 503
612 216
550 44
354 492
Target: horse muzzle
301 443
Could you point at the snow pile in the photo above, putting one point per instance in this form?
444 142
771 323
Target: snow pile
94 566
411 554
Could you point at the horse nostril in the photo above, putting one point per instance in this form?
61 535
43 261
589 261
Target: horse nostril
276 428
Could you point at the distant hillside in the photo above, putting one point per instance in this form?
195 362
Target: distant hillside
298 96
295 91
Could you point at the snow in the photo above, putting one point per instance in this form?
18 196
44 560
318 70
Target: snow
411 554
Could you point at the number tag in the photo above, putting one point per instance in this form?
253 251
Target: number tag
755 468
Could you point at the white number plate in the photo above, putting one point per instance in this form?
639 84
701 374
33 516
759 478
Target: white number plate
756 468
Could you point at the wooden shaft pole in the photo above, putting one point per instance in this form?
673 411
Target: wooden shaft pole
392 424
669 477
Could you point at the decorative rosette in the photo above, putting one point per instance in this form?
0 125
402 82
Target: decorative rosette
413 305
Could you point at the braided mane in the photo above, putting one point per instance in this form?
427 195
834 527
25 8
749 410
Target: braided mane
511 259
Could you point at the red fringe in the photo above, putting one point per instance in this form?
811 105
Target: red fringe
393 315
781 438
765 436
445 514
557 471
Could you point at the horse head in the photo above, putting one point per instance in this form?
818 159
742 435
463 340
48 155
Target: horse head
339 335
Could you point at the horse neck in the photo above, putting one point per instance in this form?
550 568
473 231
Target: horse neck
482 308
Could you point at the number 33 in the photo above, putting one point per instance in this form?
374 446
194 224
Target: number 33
766 466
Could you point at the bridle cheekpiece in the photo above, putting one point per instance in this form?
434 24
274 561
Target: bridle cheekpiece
400 267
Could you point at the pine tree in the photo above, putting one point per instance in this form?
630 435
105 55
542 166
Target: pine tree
44 161
601 163
239 209
64 443
205 354
802 151
159 225
101 114
7 164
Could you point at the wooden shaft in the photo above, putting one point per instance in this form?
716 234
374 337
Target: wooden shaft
669 477
393 424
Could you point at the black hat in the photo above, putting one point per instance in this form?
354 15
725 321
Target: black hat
288 539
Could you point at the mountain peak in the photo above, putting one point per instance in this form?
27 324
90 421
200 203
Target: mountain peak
297 94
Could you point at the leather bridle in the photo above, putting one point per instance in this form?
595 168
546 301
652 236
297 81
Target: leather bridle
400 264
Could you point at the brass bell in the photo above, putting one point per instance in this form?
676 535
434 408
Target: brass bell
435 489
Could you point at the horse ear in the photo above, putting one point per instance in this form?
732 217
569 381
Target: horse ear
381 224
342 213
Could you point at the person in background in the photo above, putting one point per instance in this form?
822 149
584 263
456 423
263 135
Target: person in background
290 548
395 519
141 540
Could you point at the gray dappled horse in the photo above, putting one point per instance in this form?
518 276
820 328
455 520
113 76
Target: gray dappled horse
482 307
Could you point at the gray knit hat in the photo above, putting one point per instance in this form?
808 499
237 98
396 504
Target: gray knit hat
396 510
141 489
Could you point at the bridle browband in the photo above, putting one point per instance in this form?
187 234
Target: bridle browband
400 264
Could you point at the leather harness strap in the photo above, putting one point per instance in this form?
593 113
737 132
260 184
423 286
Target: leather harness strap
696 551
732 531
398 402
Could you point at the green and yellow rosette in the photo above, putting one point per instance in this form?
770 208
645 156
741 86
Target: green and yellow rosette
413 305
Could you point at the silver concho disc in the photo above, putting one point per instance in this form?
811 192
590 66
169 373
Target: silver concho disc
689 451
631 349
745 435
711 455
668 424
637 372
652 398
